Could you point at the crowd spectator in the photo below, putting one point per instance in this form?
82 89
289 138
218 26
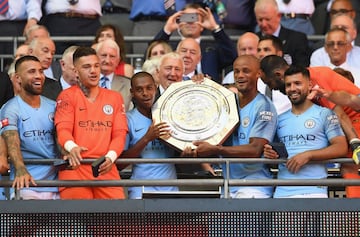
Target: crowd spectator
320 58
117 13
337 45
150 66
35 31
190 52
86 114
157 48
21 50
303 120
68 77
235 23
215 56
44 49
108 53
246 44
295 15
150 17
30 133
295 44
112 32
17 19
71 18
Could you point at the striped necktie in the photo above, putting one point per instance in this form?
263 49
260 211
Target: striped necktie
4 6
169 6
103 82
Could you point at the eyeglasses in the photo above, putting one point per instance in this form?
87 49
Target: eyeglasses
331 44
342 11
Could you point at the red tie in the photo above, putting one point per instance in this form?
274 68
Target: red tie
4 6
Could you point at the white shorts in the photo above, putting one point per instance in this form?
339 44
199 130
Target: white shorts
308 195
27 194
249 193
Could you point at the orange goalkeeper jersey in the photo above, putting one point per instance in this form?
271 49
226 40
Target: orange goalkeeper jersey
99 126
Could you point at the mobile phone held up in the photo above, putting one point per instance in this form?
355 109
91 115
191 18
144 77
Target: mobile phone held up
280 148
188 17
96 164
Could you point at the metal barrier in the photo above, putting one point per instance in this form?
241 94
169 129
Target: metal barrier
184 217
224 182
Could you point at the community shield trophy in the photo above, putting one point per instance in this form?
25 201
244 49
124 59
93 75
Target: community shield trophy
203 111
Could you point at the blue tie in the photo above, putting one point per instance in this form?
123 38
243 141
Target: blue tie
186 78
103 82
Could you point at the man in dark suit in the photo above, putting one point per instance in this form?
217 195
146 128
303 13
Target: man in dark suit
6 88
295 44
217 55
44 49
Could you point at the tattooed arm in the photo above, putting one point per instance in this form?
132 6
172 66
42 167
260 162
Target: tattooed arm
22 176
4 165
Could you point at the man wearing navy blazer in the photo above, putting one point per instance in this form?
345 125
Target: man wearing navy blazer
295 44
217 55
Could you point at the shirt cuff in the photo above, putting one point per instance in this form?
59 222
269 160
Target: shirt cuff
112 155
69 145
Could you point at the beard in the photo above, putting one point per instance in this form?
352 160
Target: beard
298 101
31 90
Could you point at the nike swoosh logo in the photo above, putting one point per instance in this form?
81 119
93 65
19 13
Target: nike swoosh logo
25 119
82 109
137 130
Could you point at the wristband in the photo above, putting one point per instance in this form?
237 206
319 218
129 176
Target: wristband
354 143
69 145
112 155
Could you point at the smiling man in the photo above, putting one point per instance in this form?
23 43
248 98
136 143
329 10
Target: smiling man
257 128
315 134
143 138
30 133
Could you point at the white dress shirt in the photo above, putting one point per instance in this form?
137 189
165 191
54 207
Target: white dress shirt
321 58
23 10
90 7
297 6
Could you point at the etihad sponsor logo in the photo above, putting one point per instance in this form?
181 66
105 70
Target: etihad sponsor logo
95 124
38 133
297 137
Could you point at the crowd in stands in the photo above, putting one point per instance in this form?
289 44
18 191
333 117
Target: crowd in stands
93 104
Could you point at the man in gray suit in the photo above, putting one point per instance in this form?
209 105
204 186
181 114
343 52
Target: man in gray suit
109 54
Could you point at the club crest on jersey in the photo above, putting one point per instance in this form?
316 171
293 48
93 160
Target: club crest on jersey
310 123
108 109
245 122
51 116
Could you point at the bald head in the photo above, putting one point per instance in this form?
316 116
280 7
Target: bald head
247 44
267 16
190 52
345 22
44 49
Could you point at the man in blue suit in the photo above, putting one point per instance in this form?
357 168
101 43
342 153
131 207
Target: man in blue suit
217 55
